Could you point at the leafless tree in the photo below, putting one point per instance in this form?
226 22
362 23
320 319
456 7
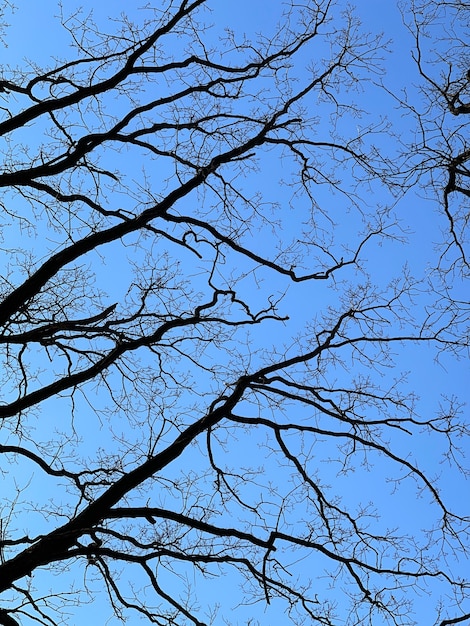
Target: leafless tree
442 143
179 203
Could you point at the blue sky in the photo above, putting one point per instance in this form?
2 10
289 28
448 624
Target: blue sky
433 377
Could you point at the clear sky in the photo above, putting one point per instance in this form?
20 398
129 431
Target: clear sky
414 246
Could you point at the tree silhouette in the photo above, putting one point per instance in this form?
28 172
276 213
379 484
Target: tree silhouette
443 149
202 343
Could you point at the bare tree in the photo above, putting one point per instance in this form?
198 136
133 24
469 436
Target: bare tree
442 144
194 348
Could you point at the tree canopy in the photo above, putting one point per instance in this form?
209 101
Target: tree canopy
234 313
